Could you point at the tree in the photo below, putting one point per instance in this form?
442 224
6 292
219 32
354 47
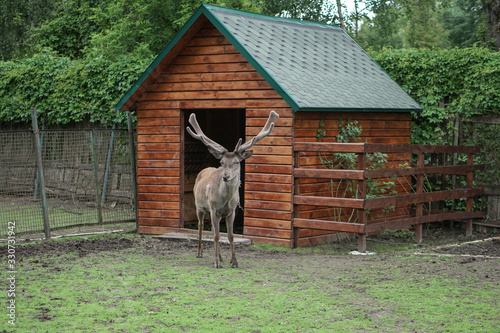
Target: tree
463 19
492 18
17 18
309 10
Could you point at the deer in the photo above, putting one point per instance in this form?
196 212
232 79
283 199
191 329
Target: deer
216 190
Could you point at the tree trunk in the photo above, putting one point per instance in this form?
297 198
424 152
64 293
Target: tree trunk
341 17
492 17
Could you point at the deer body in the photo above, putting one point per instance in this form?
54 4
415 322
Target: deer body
216 190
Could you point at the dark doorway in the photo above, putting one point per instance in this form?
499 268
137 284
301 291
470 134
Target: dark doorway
226 127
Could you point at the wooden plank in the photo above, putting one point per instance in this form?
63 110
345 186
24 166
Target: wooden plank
267 223
267 232
158 197
408 199
268 196
211 68
329 174
158 172
209 77
211 94
268 214
171 214
328 225
330 147
270 159
159 147
269 205
268 240
142 180
154 155
158 163
174 205
268 169
205 50
268 178
212 86
209 59
268 187
157 138
154 230
213 104
163 130
158 189
328 202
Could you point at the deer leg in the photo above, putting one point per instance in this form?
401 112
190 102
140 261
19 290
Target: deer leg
201 218
216 232
230 237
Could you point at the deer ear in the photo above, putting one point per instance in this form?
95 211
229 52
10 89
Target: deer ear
217 154
246 154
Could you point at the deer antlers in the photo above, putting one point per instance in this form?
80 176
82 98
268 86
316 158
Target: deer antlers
216 149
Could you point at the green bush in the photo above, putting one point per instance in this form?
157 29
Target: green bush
65 91
447 84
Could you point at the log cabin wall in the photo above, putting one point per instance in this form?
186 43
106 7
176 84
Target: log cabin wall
377 127
209 73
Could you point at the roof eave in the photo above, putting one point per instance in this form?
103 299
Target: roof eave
340 109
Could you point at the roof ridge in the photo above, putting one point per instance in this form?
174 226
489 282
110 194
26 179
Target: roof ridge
269 17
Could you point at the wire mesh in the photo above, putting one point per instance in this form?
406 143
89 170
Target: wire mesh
71 160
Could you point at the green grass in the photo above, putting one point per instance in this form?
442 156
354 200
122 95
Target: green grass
132 291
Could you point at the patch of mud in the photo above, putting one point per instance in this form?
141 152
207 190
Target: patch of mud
489 248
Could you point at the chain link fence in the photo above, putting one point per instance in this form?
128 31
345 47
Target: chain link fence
87 176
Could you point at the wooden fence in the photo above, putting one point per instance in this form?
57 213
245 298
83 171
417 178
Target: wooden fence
421 155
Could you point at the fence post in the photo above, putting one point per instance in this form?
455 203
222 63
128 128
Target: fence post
108 165
133 164
470 201
96 179
362 218
419 206
36 133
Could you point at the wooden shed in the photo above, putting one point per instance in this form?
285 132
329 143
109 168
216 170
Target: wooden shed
232 68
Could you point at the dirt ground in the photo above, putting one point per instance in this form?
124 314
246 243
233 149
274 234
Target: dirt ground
481 249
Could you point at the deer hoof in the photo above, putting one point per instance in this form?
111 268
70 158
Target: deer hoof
217 266
234 264
199 255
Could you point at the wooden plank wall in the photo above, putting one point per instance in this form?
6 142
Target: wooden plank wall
210 74
389 128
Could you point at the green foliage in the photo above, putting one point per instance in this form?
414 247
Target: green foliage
64 90
447 84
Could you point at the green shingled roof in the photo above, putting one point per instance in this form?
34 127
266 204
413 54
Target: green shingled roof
312 66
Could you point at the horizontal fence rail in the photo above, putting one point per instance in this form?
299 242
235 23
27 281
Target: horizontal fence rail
414 202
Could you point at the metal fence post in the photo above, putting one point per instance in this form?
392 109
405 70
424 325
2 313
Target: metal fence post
37 181
133 164
96 179
36 133
108 165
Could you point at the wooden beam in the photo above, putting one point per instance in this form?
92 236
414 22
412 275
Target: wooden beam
329 174
407 199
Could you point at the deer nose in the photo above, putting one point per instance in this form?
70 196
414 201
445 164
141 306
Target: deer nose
225 178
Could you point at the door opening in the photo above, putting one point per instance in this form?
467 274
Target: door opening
226 127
